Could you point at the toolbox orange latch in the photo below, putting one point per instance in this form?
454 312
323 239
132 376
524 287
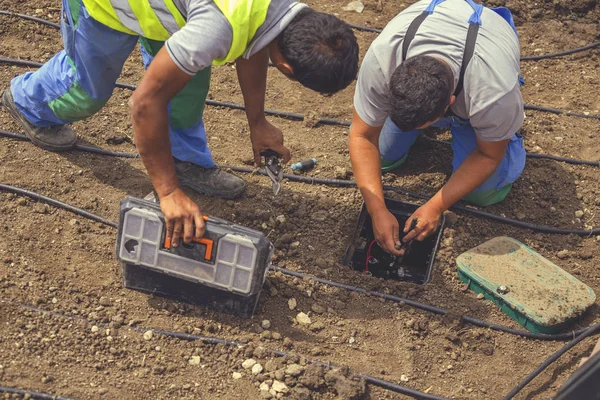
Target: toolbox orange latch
206 242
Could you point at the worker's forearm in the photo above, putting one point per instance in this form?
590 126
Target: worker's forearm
366 165
151 129
475 170
252 76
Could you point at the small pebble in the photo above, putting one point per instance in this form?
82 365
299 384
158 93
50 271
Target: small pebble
279 387
266 324
105 301
403 378
276 335
303 319
480 296
102 391
194 360
578 214
95 329
236 375
292 304
249 363
148 335
257 369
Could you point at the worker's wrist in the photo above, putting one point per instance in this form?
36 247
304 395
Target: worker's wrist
167 189
256 119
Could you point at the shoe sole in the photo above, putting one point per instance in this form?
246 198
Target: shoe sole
210 192
27 129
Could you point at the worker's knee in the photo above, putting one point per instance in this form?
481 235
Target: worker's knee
486 198
76 104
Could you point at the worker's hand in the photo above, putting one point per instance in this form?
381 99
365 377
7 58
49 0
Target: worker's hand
266 136
385 229
428 221
181 213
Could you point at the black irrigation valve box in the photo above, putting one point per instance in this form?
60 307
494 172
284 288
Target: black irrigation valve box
363 254
225 270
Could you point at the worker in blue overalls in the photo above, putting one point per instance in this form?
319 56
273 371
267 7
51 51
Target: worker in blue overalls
450 64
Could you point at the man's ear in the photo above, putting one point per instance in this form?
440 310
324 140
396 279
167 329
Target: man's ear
452 100
280 62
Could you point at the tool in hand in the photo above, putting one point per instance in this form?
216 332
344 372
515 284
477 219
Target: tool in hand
304 165
408 246
273 168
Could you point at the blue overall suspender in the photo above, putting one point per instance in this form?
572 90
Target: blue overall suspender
474 23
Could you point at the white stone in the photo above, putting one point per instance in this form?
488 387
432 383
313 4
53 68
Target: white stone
266 324
403 378
194 360
303 319
264 386
237 375
257 369
148 335
292 304
249 363
280 387
95 329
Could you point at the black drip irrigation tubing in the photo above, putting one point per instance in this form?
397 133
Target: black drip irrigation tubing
350 183
579 335
587 333
456 207
353 26
32 395
567 160
412 303
291 115
215 340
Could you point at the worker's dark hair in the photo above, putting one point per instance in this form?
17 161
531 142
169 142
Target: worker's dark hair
420 91
321 49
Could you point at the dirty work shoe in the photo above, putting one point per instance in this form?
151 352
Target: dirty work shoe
53 138
209 181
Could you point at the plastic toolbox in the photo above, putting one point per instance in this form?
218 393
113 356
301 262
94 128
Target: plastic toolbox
225 270
526 286
415 267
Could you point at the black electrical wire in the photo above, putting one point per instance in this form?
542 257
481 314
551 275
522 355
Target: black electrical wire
32 395
422 306
560 53
353 26
215 340
587 333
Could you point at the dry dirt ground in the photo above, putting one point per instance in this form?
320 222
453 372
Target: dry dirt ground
59 262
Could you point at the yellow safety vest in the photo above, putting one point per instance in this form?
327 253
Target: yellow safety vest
159 19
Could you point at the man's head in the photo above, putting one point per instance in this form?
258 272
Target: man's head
318 50
420 92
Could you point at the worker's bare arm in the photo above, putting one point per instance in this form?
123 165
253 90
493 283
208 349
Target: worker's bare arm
366 165
252 75
149 109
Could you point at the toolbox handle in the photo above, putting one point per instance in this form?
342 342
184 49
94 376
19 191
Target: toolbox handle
209 243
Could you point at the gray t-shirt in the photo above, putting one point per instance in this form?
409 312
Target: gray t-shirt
207 35
491 98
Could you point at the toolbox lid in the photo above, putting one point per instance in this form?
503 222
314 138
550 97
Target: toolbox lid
524 283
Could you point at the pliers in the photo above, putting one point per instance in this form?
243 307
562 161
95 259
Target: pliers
273 168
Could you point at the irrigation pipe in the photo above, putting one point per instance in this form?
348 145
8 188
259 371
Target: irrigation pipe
215 340
350 183
353 26
587 333
32 395
291 115
567 160
412 303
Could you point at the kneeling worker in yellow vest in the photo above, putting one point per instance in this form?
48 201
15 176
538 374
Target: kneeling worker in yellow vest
180 40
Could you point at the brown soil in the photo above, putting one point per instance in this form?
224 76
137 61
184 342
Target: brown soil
66 264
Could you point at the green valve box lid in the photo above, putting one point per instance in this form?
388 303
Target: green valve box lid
527 287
